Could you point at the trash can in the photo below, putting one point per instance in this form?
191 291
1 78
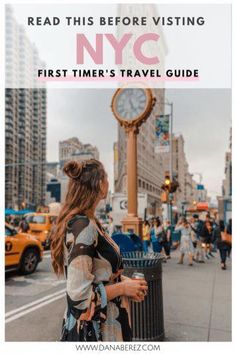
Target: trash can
128 242
147 317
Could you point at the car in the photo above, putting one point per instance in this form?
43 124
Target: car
23 251
40 225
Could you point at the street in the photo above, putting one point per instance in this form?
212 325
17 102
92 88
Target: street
34 304
197 302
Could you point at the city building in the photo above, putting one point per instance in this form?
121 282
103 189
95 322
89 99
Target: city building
73 149
53 169
25 122
53 190
189 192
225 200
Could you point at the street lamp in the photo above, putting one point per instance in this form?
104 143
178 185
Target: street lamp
168 182
131 107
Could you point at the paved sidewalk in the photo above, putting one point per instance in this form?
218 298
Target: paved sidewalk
197 300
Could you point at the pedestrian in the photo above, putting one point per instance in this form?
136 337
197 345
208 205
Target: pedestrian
229 232
197 226
157 235
97 293
167 241
214 227
186 244
23 226
146 235
222 246
111 227
16 222
207 234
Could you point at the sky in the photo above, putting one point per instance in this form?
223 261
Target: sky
203 117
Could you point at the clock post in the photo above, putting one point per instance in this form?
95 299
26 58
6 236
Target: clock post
131 107
132 221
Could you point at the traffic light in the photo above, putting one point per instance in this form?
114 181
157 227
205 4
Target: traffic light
174 185
168 185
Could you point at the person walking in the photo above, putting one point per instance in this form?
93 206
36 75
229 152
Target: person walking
156 234
23 225
197 226
207 234
96 292
111 227
146 235
167 241
186 244
222 246
214 227
229 231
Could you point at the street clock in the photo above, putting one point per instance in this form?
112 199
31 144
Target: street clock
132 106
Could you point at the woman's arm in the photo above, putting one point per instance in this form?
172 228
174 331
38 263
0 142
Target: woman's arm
128 287
114 290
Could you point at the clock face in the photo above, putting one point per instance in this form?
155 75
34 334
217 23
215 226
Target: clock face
131 103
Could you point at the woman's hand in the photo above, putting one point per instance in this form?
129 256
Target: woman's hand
136 289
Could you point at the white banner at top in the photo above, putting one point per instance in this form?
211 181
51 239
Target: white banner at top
108 45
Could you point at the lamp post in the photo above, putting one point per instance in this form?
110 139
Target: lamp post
170 196
131 107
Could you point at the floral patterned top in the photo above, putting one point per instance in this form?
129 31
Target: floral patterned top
92 260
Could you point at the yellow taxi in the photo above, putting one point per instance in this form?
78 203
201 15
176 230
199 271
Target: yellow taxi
40 225
23 252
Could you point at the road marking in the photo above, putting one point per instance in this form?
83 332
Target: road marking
31 304
23 313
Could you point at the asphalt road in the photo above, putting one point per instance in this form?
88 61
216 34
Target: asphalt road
34 304
197 302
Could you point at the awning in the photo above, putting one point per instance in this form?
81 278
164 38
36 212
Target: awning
201 206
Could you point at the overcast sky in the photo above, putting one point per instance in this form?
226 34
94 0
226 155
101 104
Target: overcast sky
202 116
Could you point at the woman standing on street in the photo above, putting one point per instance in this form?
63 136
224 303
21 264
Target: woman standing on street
97 306
207 234
157 235
229 231
186 244
167 242
222 246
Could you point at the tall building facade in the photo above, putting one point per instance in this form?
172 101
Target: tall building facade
73 149
187 194
25 123
225 200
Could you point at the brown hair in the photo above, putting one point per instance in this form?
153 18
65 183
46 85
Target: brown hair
83 191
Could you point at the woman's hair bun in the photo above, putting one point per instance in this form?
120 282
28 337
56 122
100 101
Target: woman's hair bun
73 169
